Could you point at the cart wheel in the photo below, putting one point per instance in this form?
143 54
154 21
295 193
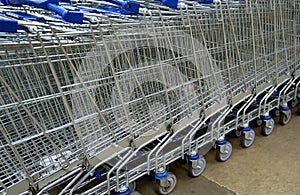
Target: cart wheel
247 142
172 183
223 156
267 130
132 186
235 133
293 104
298 109
196 172
275 112
135 193
258 122
285 118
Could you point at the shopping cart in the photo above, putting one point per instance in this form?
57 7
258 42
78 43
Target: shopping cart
96 94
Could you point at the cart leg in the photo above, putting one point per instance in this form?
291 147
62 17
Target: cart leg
196 164
248 136
224 150
268 125
167 181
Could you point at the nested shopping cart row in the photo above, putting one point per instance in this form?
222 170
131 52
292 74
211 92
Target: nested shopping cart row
96 94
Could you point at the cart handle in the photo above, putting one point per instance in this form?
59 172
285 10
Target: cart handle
170 3
8 25
131 6
51 5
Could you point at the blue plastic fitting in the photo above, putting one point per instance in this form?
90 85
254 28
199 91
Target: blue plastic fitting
131 6
207 121
220 143
161 175
127 192
245 129
234 112
7 25
97 174
51 5
194 157
284 108
205 1
170 3
69 16
266 118
258 99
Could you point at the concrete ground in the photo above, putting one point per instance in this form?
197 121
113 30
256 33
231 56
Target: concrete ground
270 166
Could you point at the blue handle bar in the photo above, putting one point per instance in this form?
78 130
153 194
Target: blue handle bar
51 5
7 25
205 1
131 6
170 3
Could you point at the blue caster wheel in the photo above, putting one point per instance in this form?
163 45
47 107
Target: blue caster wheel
196 164
167 183
267 127
224 151
124 191
285 117
247 138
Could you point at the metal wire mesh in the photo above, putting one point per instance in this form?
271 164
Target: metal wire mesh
71 91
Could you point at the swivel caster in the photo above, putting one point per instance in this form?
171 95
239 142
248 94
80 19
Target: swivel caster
196 164
285 116
293 103
257 122
224 150
132 186
167 181
248 137
275 113
123 191
267 126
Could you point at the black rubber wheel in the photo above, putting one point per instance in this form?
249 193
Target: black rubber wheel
275 113
267 130
292 104
298 110
285 118
247 142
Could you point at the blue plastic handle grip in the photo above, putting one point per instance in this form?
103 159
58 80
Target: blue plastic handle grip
170 3
7 25
69 16
51 5
206 1
131 6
